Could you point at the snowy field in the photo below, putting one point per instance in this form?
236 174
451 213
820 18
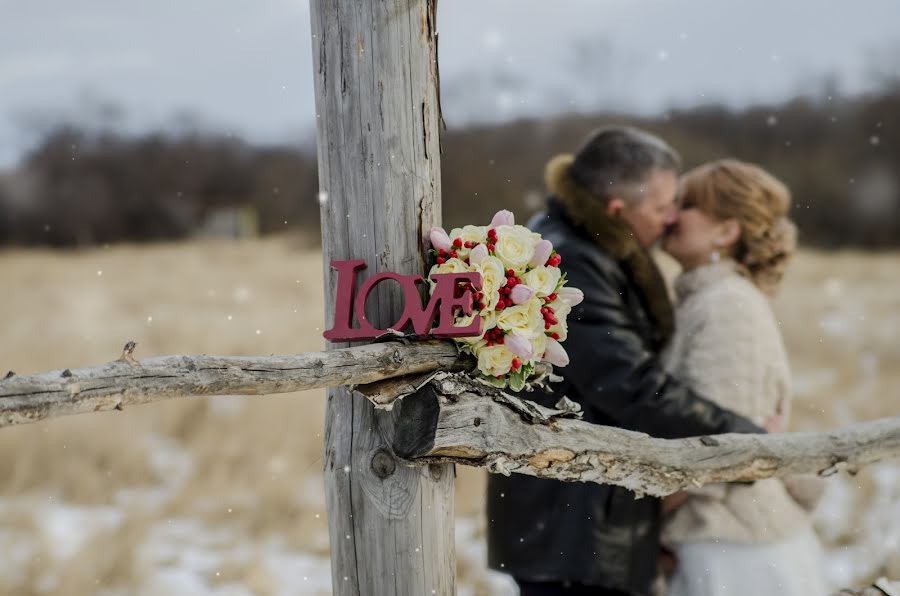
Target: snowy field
224 496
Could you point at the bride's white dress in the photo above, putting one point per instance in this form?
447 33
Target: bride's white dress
787 568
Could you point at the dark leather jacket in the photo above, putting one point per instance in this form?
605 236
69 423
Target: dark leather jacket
548 530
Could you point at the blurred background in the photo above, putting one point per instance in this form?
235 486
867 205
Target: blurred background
158 183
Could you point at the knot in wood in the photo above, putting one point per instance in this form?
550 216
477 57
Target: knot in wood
383 463
436 471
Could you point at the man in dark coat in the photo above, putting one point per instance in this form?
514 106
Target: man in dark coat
609 203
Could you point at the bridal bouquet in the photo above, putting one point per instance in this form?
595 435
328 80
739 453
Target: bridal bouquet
522 300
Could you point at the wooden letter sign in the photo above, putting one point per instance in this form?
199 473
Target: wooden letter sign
446 299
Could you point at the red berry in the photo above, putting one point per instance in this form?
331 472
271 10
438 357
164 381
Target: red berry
516 363
547 325
554 335
490 247
457 243
500 340
510 273
453 254
508 301
511 282
500 305
552 297
441 260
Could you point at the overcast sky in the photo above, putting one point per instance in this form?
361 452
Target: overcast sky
245 65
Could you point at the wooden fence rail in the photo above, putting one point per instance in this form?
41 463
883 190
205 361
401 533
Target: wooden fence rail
455 419
126 381
451 418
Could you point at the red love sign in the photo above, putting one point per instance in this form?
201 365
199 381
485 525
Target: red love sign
445 301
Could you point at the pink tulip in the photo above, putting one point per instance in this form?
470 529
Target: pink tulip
439 239
542 250
555 353
518 345
503 218
478 254
521 293
571 296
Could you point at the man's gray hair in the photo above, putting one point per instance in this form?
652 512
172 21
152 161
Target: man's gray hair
618 160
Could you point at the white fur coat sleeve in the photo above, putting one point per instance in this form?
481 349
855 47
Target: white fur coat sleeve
728 347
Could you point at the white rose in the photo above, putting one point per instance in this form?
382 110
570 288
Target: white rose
476 234
514 246
523 319
495 360
451 266
465 321
490 318
543 280
493 277
469 234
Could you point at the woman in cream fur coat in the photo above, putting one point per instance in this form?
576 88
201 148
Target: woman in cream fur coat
733 240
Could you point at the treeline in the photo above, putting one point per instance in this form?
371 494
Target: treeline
839 155
82 188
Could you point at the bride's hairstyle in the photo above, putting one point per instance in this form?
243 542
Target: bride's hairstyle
759 202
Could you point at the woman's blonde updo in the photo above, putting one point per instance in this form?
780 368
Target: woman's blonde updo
732 189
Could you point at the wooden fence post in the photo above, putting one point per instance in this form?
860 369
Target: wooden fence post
377 116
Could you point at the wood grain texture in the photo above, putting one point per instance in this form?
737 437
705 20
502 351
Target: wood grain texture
456 421
377 115
127 381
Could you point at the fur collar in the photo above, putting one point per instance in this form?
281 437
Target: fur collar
614 237
695 280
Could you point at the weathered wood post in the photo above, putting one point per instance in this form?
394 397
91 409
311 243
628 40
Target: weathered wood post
377 112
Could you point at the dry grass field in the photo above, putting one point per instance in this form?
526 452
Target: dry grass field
224 495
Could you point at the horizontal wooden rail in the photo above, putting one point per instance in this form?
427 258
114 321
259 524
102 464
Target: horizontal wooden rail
453 419
127 381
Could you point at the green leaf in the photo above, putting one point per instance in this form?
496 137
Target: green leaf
517 379
500 383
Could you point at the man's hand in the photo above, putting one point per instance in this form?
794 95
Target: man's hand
775 423
666 561
674 501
